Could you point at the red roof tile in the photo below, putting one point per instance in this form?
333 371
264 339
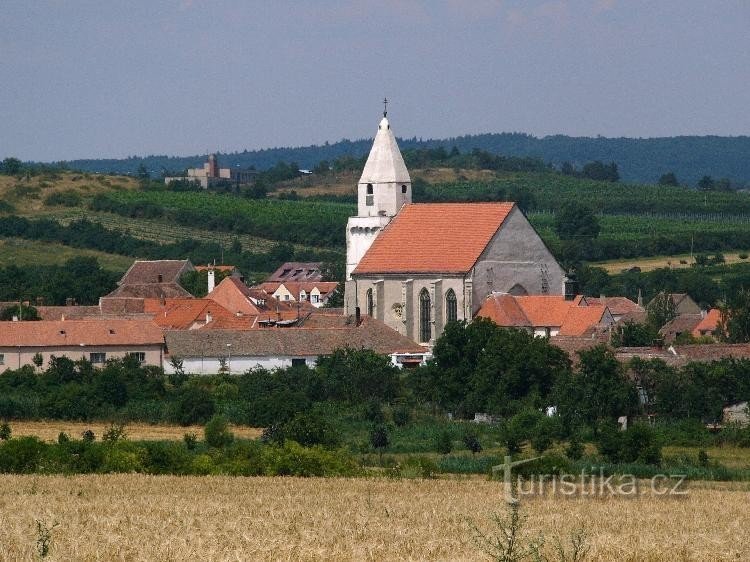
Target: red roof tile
61 333
435 238
708 324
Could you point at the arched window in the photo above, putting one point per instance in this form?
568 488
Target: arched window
370 303
403 189
369 198
425 316
451 306
369 189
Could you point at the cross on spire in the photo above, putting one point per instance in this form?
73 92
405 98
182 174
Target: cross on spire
385 107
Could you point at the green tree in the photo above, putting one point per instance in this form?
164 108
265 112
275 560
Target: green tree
734 322
576 221
661 310
632 334
706 183
20 311
669 179
11 166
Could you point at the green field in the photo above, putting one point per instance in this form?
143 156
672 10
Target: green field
17 251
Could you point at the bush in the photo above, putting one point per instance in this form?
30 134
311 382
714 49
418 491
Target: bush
190 440
638 444
401 415
444 443
292 459
309 429
374 412
217 432
5 431
88 436
742 256
115 432
416 467
21 455
574 450
471 441
194 406
63 438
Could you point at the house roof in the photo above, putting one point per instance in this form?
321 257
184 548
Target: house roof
238 298
142 272
149 291
297 271
64 333
385 163
618 306
304 342
683 323
708 323
228 268
434 238
573 317
182 314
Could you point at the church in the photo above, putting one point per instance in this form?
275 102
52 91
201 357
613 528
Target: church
417 266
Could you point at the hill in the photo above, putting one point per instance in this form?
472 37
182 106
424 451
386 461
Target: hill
641 160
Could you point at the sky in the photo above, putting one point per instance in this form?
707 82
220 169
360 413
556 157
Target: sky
93 79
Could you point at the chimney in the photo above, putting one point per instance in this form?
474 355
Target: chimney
570 288
211 279
357 316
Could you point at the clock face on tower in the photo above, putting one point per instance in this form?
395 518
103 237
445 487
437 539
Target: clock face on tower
398 311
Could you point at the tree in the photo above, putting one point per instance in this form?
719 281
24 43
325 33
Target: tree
21 311
734 321
597 170
706 183
632 334
576 221
661 310
11 166
379 439
669 179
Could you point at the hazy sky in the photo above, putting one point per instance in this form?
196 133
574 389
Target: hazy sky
116 78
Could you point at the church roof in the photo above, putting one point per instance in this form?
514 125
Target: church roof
434 238
385 163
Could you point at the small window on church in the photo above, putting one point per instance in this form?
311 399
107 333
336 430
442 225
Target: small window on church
369 189
451 306
403 189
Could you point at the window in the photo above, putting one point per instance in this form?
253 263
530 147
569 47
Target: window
369 189
425 316
370 303
97 357
369 199
451 306
2 359
298 362
403 189
302 296
315 298
140 356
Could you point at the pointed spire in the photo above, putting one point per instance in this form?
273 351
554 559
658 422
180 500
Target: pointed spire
385 163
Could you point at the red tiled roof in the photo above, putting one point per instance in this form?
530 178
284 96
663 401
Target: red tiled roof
708 324
237 297
435 238
64 333
142 272
618 306
503 309
580 319
182 314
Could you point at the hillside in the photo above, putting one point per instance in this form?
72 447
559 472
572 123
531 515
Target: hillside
639 160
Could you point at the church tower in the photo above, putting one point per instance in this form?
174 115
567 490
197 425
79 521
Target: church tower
383 188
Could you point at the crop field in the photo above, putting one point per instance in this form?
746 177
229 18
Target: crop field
18 251
144 518
162 232
657 262
49 430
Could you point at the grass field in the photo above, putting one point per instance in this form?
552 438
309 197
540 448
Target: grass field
649 264
18 251
49 430
145 518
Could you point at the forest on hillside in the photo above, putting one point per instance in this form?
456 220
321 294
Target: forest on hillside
640 160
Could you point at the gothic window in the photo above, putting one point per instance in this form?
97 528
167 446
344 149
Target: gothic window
425 316
369 198
451 306
370 303
403 189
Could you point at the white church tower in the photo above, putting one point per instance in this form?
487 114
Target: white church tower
385 186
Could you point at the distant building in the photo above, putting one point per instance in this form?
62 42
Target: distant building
210 174
93 340
157 279
314 292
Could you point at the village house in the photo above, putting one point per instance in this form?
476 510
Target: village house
418 266
155 279
236 351
93 340
297 271
546 315
314 292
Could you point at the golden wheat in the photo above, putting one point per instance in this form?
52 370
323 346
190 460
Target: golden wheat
138 518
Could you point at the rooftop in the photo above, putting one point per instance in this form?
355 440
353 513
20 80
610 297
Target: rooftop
64 333
385 163
435 238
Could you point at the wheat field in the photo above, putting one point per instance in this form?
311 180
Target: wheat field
165 518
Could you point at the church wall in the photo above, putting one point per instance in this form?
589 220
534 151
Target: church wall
404 291
516 256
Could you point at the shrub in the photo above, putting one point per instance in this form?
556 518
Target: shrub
292 459
574 450
5 431
416 467
217 432
702 458
374 412
379 438
444 443
194 406
471 440
401 415
638 444
190 440
88 436
121 456
311 429
63 438
115 432
166 457
742 256
274 433
21 455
